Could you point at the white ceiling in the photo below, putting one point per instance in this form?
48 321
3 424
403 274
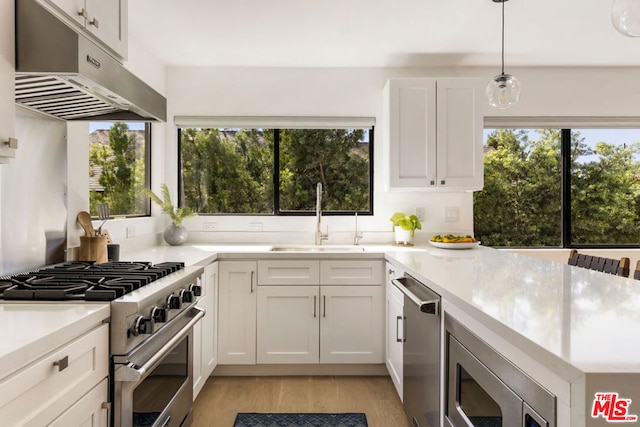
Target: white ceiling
379 33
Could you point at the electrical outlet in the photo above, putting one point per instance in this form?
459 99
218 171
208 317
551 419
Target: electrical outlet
131 231
209 226
451 214
420 213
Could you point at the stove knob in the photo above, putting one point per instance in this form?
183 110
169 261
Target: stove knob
186 296
159 315
196 289
143 325
173 302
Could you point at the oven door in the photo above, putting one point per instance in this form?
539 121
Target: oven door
153 385
477 397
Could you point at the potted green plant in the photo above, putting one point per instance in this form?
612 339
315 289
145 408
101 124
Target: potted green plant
175 234
404 227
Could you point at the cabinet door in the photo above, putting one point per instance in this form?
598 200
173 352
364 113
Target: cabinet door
410 113
205 335
108 22
7 71
351 322
459 134
237 313
105 21
395 328
209 330
198 378
74 10
89 411
288 329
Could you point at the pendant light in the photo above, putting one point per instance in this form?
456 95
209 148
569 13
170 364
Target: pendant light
625 15
503 91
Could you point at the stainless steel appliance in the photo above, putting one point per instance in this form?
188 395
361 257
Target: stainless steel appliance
421 352
486 390
65 75
153 310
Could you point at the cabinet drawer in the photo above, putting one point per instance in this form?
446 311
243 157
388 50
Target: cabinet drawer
48 390
351 272
288 272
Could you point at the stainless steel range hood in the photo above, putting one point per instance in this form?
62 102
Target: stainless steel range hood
65 75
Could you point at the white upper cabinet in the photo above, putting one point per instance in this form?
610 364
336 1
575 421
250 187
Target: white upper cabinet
105 21
7 72
434 134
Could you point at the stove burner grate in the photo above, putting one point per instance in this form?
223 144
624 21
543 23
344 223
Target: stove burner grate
83 280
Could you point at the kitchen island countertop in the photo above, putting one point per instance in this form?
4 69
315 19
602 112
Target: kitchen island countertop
574 317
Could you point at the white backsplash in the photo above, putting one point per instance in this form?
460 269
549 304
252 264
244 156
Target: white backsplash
33 200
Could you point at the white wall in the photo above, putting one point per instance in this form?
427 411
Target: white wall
203 91
34 211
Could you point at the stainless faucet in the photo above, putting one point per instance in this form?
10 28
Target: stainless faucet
357 235
320 236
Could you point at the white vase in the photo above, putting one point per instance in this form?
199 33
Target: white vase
174 235
402 236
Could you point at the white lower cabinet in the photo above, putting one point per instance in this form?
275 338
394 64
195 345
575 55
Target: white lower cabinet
67 387
90 411
237 312
288 330
205 334
316 323
395 328
351 328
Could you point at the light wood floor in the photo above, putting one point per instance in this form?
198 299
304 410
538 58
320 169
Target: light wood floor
222 397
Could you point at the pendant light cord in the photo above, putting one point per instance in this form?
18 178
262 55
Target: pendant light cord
503 1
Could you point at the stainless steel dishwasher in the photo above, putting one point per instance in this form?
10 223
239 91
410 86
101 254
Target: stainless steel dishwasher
419 330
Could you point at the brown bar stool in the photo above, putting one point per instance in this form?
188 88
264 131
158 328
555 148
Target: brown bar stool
618 267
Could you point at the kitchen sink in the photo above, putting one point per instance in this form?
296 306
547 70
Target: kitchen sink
313 248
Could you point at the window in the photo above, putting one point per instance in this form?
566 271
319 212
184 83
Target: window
119 156
275 171
560 188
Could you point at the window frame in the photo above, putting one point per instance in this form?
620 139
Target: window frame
277 212
565 126
147 170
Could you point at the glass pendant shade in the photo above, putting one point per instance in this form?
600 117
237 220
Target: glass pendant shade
625 15
503 91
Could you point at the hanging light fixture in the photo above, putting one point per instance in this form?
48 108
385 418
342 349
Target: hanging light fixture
503 91
625 15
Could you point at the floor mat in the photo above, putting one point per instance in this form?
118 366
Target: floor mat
244 419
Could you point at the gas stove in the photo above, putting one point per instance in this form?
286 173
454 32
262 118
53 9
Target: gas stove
144 297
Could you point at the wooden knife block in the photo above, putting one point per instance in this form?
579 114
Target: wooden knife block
93 249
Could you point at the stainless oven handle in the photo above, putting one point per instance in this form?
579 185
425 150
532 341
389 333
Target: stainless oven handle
131 372
429 307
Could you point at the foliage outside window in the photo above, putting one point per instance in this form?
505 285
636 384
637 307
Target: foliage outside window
522 202
118 167
275 171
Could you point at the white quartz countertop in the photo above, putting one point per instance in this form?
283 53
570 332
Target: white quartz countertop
566 317
203 254
571 319
31 330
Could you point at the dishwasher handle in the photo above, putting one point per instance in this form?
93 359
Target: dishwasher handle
431 306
